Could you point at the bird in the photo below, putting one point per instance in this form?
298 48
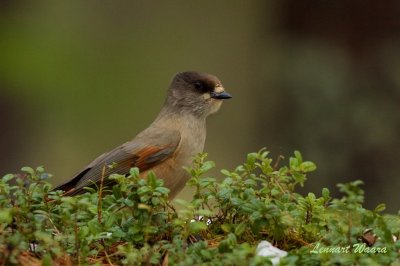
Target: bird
169 144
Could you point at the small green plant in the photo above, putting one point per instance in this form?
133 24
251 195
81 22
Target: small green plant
133 223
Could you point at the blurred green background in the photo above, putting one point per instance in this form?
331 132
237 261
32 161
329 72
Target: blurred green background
78 78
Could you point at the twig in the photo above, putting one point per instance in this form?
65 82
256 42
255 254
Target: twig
278 160
107 257
99 200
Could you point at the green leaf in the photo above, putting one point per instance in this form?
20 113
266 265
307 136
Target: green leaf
155 201
275 191
128 202
207 166
7 178
204 212
240 228
163 190
298 156
307 166
195 227
28 170
116 190
134 172
293 163
311 196
226 228
325 193
251 158
225 172
143 190
40 169
380 208
6 216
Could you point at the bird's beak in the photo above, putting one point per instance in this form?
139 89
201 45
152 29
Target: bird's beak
220 95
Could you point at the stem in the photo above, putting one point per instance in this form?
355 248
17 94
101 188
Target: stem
99 200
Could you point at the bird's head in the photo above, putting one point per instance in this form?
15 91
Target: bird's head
198 93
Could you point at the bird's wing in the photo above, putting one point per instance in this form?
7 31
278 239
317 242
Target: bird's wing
144 152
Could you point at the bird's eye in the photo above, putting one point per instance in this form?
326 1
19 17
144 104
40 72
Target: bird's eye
198 85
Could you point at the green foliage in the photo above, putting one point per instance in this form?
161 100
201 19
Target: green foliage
133 222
